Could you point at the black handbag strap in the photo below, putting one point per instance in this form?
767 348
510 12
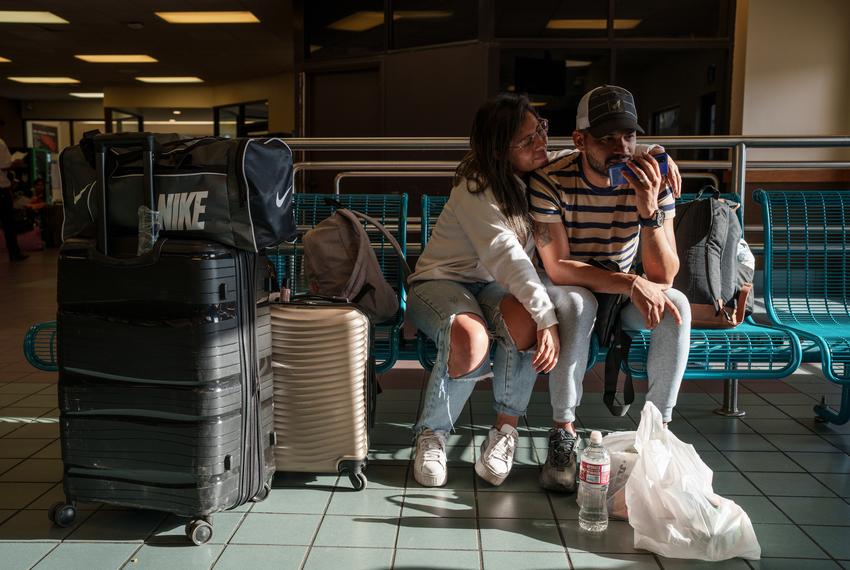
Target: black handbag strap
618 352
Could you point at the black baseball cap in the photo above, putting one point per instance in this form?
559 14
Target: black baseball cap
607 109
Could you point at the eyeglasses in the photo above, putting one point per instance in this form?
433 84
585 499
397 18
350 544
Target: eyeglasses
541 131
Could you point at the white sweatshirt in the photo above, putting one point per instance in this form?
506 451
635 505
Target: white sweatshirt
472 242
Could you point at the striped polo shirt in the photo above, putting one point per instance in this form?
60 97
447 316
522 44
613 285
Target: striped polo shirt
601 223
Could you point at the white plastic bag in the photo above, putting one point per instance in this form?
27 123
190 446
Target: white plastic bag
672 506
621 449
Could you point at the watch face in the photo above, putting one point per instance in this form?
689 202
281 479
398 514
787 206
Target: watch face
656 220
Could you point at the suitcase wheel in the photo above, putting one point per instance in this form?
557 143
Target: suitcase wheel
199 531
263 494
62 514
358 480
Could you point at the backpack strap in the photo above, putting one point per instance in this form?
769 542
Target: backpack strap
617 353
402 261
356 287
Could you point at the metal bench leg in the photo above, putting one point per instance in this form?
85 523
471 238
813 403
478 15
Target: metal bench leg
730 400
827 414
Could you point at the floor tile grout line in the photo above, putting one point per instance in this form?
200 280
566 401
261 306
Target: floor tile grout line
324 514
131 556
46 554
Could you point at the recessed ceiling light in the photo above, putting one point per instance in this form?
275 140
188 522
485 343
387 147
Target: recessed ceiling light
176 112
117 58
178 79
358 22
228 17
421 14
5 60
30 17
87 95
51 80
591 24
577 63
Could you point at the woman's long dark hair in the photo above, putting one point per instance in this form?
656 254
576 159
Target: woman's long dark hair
487 164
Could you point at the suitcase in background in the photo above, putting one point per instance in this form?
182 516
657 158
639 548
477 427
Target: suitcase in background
324 388
165 384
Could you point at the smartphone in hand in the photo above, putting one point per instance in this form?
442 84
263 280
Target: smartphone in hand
615 173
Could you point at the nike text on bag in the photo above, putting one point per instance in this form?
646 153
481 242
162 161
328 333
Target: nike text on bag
719 288
339 262
237 192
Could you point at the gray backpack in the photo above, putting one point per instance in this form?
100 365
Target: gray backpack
717 285
339 262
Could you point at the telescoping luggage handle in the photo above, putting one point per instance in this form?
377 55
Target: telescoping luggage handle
102 145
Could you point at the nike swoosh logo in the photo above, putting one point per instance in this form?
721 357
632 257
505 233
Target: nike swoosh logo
83 191
279 199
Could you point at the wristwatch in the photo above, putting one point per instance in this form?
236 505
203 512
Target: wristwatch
655 220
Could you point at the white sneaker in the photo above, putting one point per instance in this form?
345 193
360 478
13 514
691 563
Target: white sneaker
497 455
429 467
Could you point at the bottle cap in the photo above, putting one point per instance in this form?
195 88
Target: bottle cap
596 437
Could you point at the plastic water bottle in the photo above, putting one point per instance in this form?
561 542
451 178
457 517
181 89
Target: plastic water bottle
593 486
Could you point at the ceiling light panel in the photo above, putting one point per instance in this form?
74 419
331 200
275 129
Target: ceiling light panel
591 24
83 95
30 17
229 17
44 80
117 58
176 79
358 22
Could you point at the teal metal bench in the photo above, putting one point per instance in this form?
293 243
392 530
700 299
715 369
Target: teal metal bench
40 346
747 352
750 351
390 210
807 279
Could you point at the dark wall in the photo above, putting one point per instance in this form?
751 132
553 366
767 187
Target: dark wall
11 124
453 81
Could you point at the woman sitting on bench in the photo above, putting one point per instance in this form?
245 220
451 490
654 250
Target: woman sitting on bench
475 281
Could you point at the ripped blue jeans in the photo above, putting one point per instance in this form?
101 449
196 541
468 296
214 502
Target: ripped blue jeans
432 306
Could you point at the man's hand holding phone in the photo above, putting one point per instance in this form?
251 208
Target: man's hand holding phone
644 177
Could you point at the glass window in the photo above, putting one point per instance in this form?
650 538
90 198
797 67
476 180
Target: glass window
694 103
124 122
429 22
554 80
256 119
228 119
672 18
551 19
337 29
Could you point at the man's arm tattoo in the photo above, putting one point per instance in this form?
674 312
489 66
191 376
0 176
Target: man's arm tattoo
542 237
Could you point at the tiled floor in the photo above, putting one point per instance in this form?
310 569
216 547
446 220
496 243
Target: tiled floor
788 472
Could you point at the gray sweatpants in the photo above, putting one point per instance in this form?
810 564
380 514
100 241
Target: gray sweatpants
668 349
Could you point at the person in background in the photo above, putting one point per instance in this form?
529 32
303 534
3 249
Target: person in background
7 211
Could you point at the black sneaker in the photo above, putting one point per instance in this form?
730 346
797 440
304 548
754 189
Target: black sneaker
559 471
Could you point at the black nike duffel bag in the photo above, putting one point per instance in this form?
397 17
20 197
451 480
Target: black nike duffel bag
234 191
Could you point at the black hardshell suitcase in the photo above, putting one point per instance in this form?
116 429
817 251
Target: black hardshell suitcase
165 379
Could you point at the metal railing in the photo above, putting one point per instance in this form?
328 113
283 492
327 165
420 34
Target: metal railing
737 163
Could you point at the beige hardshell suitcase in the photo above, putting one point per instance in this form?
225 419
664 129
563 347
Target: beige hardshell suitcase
324 387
